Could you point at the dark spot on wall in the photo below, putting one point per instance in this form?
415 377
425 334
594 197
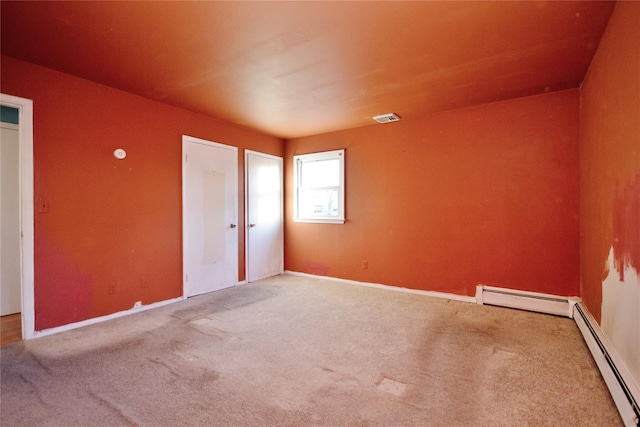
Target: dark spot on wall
315 267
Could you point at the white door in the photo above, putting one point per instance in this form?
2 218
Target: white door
265 253
25 203
10 287
210 216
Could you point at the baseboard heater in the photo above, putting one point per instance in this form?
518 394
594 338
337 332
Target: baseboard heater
524 300
624 391
625 394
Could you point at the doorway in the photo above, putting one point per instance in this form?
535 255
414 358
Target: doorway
210 216
265 226
18 230
10 286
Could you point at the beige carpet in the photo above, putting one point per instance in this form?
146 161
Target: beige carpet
298 351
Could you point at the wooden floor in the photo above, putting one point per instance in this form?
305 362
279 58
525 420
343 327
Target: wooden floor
10 329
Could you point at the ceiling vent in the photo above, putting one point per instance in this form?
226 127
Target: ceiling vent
386 118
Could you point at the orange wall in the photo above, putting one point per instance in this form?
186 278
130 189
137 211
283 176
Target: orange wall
485 195
610 154
109 220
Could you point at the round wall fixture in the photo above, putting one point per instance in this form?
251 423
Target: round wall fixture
120 154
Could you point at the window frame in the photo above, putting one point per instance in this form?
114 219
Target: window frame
298 161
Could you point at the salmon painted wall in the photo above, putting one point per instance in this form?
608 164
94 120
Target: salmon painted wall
610 184
110 221
485 195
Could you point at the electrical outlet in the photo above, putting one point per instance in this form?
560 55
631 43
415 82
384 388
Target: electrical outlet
113 288
365 265
138 304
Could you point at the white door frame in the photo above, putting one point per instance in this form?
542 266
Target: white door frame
246 208
25 138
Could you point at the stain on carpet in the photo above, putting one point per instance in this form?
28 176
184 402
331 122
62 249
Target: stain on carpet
391 386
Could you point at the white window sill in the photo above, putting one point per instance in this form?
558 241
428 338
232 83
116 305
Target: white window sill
320 220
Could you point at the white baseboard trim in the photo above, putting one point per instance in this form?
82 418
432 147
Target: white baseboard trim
525 300
624 391
444 295
76 325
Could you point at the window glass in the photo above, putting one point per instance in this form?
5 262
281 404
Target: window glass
321 173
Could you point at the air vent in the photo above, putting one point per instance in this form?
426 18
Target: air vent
386 118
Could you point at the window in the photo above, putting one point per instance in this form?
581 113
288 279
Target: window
318 181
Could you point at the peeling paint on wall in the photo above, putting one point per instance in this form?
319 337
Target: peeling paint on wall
621 288
620 315
610 185
626 228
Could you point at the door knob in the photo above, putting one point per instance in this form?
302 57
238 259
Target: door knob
232 225
252 225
